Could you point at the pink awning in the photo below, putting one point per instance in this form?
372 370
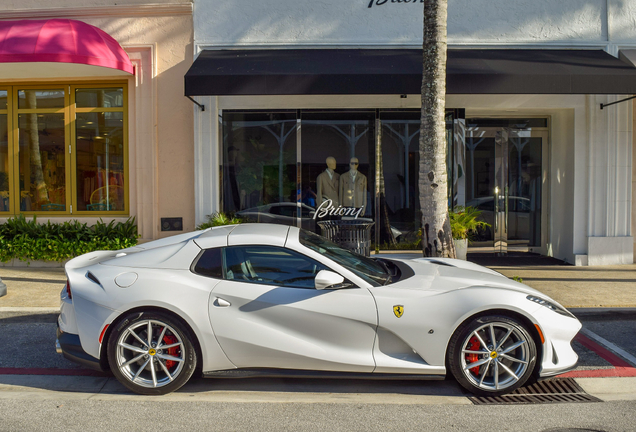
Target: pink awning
67 47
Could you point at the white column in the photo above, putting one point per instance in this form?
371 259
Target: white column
610 181
142 144
207 191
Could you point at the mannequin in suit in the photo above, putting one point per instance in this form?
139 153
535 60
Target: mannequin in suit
327 184
353 187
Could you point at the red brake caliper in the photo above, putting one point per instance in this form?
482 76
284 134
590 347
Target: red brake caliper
174 351
473 345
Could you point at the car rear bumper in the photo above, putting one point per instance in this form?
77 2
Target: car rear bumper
3 289
69 346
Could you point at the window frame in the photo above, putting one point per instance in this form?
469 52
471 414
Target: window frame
15 111
69 111
123 110
10 151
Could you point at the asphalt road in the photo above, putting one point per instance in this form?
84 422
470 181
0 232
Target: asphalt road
70 402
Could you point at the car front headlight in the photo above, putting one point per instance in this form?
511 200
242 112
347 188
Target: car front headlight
552 306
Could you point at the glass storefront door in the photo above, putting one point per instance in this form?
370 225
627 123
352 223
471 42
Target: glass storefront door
504 180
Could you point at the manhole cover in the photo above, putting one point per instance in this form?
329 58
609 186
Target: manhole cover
556 390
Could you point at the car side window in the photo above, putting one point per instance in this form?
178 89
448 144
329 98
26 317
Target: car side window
210 263
270 265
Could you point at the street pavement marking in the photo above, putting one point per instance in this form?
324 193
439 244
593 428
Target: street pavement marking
621 352
621 368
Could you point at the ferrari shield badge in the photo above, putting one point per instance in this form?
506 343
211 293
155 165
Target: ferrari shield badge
398 310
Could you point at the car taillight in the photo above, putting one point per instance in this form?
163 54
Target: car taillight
68 289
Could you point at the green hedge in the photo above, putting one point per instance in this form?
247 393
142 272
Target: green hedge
27 240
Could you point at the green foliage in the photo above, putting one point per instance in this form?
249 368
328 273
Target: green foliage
28 240
517 279
220 219
465 222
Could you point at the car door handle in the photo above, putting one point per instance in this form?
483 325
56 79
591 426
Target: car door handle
219 302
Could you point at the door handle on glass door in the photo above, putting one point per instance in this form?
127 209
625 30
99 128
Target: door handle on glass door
219 302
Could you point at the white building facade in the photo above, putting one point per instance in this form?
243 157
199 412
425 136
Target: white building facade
283 85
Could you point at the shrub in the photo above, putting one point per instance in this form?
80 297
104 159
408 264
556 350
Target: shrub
219 219
27 240
465 221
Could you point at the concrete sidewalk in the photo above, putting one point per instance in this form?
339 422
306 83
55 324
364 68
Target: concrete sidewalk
573 287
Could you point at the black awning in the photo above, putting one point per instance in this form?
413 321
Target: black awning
399 71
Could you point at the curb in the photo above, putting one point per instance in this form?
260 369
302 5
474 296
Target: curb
16 315
605 314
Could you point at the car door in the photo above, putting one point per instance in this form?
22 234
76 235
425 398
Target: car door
266 313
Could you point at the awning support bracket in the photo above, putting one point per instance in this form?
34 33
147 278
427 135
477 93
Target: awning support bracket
618 101
203 106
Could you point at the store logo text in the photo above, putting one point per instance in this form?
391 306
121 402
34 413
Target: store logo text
327 209
381 2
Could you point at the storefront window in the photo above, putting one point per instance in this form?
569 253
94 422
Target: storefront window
338 163
259 166
400 200
42 163
70 143
100 161
4 154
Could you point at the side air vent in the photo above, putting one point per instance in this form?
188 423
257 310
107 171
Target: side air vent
441 263
92 277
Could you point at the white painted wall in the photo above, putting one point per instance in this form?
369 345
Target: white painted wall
353 22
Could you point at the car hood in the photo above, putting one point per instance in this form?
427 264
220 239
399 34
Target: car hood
445 274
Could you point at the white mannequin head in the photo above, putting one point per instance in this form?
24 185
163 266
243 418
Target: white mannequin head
353 165
331 163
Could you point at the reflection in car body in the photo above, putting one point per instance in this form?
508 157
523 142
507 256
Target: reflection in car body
284 213
518 216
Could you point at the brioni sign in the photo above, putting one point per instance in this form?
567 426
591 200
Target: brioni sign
327 209
382 2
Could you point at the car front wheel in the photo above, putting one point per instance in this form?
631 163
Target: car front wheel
151 353
492 355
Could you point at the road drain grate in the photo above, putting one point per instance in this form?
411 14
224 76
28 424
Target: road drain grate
556 390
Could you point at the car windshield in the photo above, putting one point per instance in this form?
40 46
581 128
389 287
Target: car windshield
366 268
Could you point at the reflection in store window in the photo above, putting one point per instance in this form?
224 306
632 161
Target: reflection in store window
259 159
338 163
4 162
400 161
100 161
42 163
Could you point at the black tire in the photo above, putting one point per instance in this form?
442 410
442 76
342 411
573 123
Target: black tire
148 369
514 359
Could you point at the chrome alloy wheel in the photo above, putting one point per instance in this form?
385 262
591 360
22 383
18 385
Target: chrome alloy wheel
495 356
150 353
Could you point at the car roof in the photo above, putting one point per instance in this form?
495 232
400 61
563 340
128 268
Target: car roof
232 235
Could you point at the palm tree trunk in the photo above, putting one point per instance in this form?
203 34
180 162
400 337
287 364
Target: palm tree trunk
437 240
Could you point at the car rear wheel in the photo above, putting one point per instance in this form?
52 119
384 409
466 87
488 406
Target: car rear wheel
151 353
492 355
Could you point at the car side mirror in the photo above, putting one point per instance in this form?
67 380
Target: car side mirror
326 279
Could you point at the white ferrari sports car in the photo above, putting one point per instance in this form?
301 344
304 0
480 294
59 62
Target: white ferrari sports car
271 300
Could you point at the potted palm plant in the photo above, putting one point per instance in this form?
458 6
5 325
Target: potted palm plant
464 224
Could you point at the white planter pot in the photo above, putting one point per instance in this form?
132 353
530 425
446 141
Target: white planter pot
461 247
